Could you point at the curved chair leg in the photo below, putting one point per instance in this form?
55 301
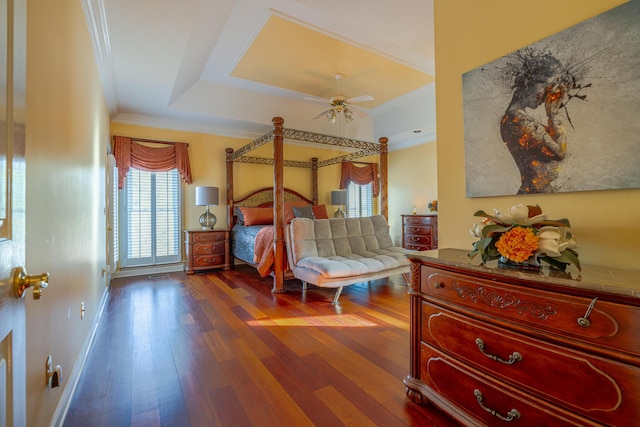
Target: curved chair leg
337 295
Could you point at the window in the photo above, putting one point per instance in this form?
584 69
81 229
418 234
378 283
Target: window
359 200
150 218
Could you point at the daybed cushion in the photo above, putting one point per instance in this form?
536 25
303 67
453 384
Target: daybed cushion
344 247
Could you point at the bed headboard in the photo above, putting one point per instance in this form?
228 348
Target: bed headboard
263 198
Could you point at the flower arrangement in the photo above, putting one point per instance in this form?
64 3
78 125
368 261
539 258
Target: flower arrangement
433 205
523 236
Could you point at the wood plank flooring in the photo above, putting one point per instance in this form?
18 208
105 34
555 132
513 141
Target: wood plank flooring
219 349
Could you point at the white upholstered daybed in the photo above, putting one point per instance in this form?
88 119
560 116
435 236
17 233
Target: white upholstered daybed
337 252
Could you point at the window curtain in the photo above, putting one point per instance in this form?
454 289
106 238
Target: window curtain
360 175
131 154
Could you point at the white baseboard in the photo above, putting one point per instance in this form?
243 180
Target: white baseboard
143 271
67 394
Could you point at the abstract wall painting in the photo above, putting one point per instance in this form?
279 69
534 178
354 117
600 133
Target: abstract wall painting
560 115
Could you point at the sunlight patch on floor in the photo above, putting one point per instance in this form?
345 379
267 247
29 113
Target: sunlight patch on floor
345 320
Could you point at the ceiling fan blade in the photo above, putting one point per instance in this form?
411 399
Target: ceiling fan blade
359 111
317 100
323 113
362 98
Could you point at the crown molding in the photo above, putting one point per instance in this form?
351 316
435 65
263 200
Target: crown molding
99 33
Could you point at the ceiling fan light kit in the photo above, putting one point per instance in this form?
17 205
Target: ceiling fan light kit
339 104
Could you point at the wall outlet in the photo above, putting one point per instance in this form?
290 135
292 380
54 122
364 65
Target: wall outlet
82 310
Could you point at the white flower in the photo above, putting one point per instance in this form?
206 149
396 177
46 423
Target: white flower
519 214
476 229
553 240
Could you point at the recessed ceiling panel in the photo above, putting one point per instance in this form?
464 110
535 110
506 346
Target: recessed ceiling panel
293 56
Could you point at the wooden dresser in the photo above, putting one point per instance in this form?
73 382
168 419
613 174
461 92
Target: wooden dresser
420 232
500 347
207 249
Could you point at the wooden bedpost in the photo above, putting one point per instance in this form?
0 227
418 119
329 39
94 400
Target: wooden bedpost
384 180
278 205
314 180
229 151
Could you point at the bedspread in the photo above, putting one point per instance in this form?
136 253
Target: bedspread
264 253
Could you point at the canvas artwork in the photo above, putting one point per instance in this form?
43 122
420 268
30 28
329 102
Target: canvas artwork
560 115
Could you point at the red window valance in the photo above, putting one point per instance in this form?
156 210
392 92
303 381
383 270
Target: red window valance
132 154
360 175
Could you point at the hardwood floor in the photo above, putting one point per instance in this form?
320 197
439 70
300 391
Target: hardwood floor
218 349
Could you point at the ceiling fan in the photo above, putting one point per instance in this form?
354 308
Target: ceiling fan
339 104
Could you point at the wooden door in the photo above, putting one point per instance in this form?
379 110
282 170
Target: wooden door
12 210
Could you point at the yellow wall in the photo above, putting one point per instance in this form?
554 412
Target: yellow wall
67 131
469 33
413 181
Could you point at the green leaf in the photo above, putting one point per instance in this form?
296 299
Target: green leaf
572 256
483 214
493 228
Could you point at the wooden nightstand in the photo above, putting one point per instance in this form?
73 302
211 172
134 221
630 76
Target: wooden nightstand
420 232
206 249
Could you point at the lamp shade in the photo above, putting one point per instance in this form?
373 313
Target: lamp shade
338 197
206 196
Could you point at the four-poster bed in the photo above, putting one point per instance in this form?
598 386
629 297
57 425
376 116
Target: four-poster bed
278 135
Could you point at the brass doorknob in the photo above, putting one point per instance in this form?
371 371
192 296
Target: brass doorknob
21 281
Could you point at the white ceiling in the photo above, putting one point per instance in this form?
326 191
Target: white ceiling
175 64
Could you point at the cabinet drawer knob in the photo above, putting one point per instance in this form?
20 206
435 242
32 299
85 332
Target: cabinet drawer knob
515 356
584 320
513 414
438 285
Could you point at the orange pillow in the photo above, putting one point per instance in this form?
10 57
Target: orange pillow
320 212
257 216
288 209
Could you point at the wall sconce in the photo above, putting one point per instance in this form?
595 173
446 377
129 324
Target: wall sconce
339 198
207 196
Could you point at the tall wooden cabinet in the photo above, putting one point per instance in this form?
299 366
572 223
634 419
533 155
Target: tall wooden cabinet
420 232
499 347
207 249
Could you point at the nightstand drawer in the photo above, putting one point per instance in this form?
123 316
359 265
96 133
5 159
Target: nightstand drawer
209 249
416 229
411 239
208 261
208 236
419 220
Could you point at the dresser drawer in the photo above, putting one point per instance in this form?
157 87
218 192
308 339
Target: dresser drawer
209 248
411 239
612 326
605 390
488 400
418 230
419 220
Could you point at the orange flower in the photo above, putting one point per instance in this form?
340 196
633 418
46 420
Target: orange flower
517 244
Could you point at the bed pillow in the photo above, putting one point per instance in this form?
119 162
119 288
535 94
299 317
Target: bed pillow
238 213
304 212
320 212
257 216
288 209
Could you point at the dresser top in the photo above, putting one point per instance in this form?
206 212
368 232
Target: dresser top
596 279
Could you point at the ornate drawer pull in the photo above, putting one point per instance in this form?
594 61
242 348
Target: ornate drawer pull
584 321
513 414
515 356
438 285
